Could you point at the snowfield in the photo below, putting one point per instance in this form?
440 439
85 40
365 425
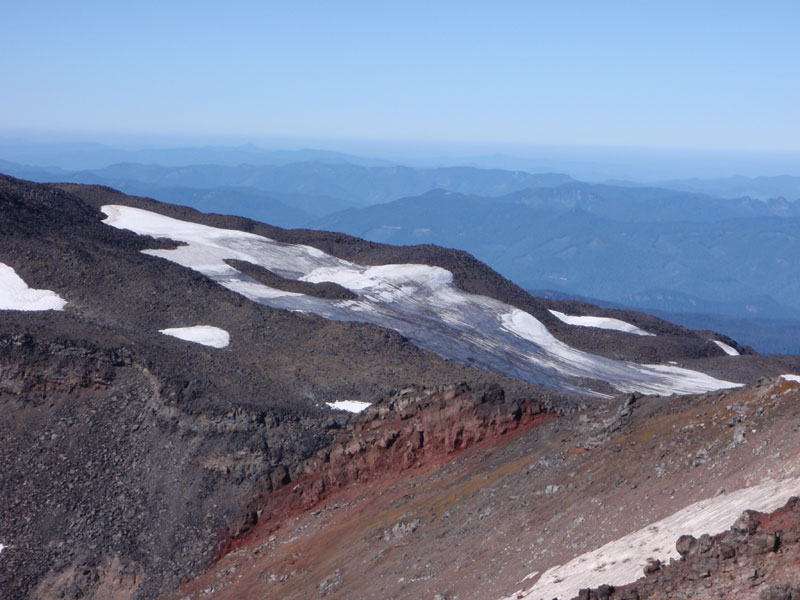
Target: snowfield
791 378
622 561
660 379
16 295
200 334
729 350
419 301
353 406
599 322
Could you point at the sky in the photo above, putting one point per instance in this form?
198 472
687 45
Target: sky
693 75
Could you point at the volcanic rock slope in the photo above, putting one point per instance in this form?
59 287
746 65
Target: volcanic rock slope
526 504
128 454
134 459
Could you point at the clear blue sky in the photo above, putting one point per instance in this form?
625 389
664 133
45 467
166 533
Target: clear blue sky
640 73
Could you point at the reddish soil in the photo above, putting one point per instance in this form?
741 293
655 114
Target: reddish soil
414 431
478 523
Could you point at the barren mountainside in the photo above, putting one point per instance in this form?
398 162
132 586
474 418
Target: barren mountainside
170 425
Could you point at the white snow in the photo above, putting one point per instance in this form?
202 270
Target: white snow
382 274
2 547
621 561
599 322
353 406
791 378
200 334
629 376
419 301
729 350
16 295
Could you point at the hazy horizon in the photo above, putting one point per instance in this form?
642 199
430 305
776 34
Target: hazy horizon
412 80
594 163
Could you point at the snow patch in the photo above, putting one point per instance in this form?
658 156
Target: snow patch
200 334
627 376
621 561
791 378
729 350
16 295
353 406
398 275
3 547
420 302
599 322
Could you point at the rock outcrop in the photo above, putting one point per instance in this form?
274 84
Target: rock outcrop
758 558
414 428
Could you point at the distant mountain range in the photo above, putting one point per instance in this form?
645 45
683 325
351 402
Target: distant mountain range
648 203
762 188
347 182
321 187
571 248
82 156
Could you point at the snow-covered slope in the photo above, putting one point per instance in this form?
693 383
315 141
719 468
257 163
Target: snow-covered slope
15 294
419 301
206 335
621 561
727 349
599 322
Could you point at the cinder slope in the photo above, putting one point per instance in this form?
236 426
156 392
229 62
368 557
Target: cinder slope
490 520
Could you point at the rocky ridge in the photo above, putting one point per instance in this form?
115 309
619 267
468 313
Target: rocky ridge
415 428
488 521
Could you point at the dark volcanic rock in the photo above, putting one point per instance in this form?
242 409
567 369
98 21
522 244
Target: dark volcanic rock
104 475
686 545
129 458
